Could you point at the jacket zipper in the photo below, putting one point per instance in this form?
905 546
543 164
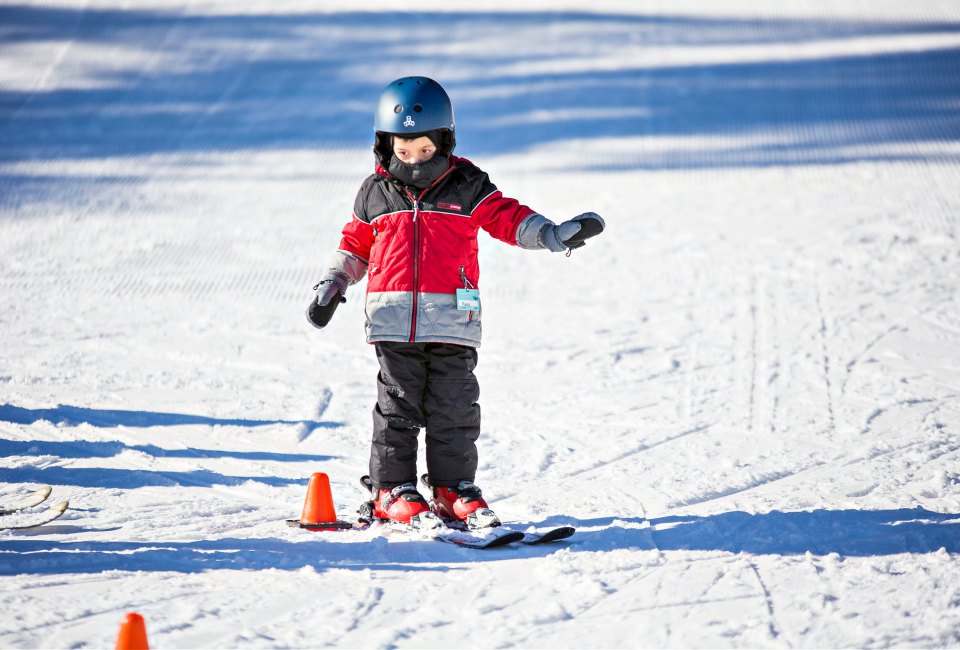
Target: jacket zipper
416 249
416 268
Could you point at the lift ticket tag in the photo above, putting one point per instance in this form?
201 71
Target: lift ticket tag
468 299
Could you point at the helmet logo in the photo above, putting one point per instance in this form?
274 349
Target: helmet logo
409 121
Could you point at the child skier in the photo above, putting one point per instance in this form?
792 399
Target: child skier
414 233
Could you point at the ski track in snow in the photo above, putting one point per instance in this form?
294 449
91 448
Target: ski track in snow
745 395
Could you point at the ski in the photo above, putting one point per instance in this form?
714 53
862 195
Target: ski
478 538
530 539
441 532
27 501
563 532
34 519
492 538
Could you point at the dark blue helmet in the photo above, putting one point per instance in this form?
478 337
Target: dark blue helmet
411 107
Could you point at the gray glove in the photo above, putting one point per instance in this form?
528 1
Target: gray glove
330 292
329 287
572 233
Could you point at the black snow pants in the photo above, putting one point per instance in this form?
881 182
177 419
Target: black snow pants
428 385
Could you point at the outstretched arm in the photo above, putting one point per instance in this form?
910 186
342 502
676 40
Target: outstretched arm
510 221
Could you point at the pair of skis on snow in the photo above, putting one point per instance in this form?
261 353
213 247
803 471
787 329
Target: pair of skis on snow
449 532
429 526
18 514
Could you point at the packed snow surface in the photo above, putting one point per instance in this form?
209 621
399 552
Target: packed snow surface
745 395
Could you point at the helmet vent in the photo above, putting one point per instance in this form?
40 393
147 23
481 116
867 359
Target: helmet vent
398 109
417 108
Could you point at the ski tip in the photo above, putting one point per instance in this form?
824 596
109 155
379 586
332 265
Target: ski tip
502 540
40 518
494 539
554 535
564 531
26 501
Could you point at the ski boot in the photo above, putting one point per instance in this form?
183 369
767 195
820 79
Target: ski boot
402 504
462 504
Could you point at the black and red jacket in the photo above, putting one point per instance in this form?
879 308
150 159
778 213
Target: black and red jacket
419 246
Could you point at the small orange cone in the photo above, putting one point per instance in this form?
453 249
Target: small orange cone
133 633
318 511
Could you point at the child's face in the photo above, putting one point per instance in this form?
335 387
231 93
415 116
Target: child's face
413 152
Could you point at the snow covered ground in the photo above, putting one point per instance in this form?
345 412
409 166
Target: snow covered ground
745 395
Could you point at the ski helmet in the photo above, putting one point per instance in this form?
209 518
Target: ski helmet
411 107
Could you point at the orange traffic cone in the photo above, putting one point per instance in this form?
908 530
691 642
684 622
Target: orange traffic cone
133 633
318 511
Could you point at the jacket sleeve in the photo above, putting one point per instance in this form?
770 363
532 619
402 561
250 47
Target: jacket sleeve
351 259
499 215
357 238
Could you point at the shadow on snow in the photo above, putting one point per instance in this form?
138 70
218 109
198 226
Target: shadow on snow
853 533
109 449
820 532
133 478
41 557
232 82
74 415
90 449
108 477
